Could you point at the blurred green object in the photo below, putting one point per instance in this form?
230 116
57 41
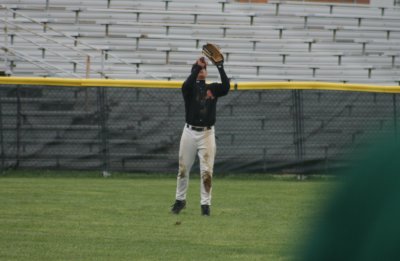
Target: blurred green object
362 221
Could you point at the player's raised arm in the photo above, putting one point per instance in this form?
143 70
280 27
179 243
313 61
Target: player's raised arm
223 88
197 67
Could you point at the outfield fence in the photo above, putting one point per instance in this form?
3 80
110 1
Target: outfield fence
135 126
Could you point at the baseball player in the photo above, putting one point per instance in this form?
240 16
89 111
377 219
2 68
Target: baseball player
198 135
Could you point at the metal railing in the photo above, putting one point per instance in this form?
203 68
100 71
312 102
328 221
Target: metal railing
102 53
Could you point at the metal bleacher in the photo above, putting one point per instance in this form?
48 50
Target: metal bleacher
157 39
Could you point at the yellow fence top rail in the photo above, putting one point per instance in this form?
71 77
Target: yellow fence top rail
360 87
72 82
89 82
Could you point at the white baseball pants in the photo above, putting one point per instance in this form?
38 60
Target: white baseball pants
203 144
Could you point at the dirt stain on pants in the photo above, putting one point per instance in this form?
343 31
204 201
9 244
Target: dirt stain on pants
182 170
207 181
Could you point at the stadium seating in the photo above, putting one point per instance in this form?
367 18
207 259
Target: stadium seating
152 38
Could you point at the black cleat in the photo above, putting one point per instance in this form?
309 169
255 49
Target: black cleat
205 210
178 206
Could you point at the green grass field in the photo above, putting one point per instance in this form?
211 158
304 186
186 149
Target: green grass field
127 218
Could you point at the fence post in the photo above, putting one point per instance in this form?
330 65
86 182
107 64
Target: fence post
298 129
103 130
2 139
395 117
18 128
87 66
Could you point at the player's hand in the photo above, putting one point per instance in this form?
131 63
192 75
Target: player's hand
202 62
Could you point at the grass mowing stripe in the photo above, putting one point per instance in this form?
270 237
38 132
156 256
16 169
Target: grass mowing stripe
128 219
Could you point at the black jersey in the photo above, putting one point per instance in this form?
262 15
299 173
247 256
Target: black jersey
201 98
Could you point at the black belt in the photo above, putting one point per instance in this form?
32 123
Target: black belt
198 128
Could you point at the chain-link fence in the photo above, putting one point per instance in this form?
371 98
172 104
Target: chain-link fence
139 129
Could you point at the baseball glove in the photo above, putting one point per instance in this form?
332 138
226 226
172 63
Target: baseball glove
213 53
